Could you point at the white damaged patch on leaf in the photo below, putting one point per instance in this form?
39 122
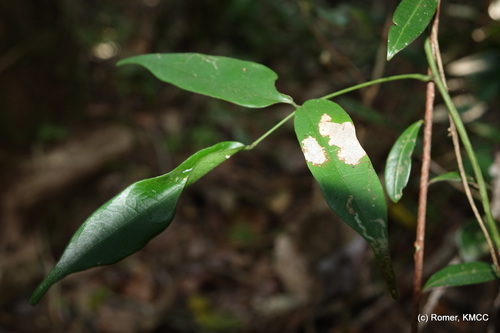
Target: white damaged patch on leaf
342 136
313 152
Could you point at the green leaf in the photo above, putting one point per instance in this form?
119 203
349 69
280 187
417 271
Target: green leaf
345 175
410 19
398 166
462 274
241 82
127 222
453 176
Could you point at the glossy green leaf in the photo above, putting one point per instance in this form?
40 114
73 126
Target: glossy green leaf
241 82
410 19
398 166
345 175
462 274
127 222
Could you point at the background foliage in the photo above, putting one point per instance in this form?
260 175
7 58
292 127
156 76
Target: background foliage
75 130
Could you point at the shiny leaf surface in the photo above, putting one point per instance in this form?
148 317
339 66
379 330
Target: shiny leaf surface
345 175
462 274
127 222
410 19
241 82
398 166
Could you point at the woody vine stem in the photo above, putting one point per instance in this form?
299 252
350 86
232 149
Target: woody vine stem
462 132
457 129
424 183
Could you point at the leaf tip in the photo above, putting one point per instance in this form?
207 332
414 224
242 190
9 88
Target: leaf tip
39 292
34 299
396 196
124 61
56 274
390 54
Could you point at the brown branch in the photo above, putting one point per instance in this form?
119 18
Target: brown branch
424 182
422 205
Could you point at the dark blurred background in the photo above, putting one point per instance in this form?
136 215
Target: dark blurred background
253 247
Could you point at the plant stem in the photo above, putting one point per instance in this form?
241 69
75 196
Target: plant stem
420 77
424 180
458 154
462 132
418 256
265 135
465 184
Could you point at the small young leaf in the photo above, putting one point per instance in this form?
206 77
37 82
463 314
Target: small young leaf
398 166
410 19
453 176
127 222
345 175
461 275
241 82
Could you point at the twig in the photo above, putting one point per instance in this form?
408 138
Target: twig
465 183
424 186
462 132
422 205
458 154
420 77
425 78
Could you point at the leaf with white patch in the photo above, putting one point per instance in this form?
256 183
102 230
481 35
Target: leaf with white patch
345 175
